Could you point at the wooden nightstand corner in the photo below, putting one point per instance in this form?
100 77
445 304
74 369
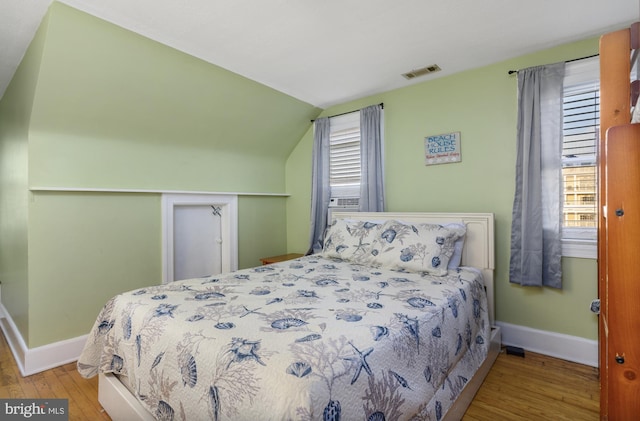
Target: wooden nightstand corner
281 258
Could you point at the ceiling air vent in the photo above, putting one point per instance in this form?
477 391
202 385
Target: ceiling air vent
421 72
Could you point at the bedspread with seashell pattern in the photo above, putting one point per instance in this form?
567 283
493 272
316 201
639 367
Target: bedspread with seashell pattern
307 339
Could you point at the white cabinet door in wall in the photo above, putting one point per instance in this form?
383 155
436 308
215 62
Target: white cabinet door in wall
199 235
197 241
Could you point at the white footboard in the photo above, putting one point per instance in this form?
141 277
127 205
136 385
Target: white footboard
461 404
118 401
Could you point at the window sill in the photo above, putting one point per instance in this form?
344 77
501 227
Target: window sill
584 249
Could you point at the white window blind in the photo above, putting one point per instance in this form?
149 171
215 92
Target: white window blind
581 114
581 128
344 151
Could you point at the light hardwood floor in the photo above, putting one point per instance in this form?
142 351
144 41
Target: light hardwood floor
61 382
536 387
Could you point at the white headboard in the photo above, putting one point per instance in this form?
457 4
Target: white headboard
478 248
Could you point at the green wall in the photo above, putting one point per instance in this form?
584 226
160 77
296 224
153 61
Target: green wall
15 116
116 110
83 249
299 203
93 107
481 104
262 229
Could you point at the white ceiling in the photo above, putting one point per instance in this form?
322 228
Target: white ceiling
326 52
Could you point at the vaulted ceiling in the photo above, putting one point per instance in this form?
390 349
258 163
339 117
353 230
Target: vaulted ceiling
332 51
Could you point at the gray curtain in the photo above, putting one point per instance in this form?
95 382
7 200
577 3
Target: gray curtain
371 165
536 238
320 190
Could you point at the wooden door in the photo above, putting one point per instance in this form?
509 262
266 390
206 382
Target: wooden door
622 293
615 92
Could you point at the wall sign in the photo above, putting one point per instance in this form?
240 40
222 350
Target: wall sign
442 148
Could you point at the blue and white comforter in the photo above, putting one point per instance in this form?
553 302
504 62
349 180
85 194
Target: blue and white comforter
308 339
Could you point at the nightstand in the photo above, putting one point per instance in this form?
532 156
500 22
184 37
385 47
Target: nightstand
281 258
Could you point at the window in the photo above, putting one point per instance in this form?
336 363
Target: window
581 128
344 155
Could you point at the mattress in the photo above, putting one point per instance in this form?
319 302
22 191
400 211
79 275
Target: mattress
311 338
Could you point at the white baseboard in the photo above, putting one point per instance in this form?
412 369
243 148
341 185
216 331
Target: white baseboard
2 309
34 360
558 345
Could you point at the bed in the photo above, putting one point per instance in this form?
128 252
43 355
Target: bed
392 320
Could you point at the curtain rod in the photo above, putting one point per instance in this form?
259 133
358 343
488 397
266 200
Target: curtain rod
349 112
567 61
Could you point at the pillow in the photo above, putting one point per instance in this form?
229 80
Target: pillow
351 240
456 257
416 247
